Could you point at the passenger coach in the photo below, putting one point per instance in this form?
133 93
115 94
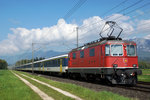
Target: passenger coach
53 64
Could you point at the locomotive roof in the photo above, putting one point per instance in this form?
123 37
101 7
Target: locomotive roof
88 45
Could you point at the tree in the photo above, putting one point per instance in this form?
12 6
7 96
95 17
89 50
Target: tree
41 58
25 61
3 64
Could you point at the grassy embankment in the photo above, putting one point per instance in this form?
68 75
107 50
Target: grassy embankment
84 93
145 77
11 88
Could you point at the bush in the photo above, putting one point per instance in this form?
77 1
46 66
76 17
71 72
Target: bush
144 65
3 64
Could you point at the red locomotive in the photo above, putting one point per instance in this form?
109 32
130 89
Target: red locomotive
109 58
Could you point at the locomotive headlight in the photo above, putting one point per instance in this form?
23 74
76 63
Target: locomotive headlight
134 65
115 65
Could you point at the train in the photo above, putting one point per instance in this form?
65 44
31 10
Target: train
108 58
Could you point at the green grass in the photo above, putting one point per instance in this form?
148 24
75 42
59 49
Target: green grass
11 88
54 94
145 77
146 71
84 93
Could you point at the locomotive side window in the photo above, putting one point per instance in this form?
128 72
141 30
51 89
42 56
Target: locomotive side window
81 54
92 52
74 56
116 50
131 50
107 50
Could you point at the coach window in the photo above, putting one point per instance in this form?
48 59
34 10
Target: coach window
92 52
55 63
74 55
107 50
52 62
63 61
81 54
58 62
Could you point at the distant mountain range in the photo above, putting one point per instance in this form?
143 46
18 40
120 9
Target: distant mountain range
143 49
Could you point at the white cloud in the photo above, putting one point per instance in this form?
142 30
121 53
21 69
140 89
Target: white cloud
118 17
139 12
143 26
21 38
62 33
147 37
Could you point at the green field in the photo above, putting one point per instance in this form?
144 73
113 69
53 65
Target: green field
83 93
11 88
145 77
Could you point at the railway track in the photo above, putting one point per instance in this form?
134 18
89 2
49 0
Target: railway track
141 91
145 83
139 87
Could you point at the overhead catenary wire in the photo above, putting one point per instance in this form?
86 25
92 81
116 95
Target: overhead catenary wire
72 10
132 5
114 7
146 4
127 35
112 16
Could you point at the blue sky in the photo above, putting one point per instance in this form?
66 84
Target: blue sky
38 14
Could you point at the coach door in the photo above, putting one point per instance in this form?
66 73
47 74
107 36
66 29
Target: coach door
60 65
42 66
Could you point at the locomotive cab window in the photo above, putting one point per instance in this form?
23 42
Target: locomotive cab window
131 50
74 56
116 50
107 50
92 52
81 54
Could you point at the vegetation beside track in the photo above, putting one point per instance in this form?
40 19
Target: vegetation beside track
52 93
3 64
12 88
84 93
145 77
